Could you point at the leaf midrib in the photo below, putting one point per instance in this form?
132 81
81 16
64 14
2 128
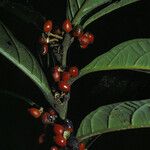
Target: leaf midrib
102 12
24 69
79 12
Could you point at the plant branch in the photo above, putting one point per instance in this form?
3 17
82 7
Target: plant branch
68 40
62 108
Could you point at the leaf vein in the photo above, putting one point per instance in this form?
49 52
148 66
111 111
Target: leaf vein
32 65
13 40
137 61
71 8
135 112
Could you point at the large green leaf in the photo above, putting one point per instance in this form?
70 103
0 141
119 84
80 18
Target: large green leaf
18 54
107 10
78 9
115 117
132 55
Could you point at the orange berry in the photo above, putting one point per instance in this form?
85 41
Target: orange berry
34 112
67 26
64 86
48 26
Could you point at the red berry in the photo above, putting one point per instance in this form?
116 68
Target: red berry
78 31
84 40
41 138
67 26
56 74
64 86
45 118
74 71
48 26
81 146
58 129
34 112
54 148
65 76
91 37
44 49
60 140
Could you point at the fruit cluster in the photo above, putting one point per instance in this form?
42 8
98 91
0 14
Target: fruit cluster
48 117
84 38
77 32
63 137
50 37
62 132
55 36
63 76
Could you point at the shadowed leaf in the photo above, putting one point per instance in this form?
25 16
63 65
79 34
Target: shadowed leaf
90 10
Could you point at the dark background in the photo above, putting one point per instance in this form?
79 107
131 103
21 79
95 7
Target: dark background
19 131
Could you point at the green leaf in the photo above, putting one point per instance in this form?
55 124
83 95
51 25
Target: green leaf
77 10
108 9
115 117
20 56
131 55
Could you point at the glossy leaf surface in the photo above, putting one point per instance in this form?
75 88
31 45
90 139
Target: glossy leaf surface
79 10
131 55
115 117
107 10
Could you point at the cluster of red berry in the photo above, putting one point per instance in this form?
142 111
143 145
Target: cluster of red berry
61 135
44 40
49 36
47 117
52 37
62 77
84 38
62 132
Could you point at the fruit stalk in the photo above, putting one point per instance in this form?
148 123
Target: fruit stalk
68 40
55 35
